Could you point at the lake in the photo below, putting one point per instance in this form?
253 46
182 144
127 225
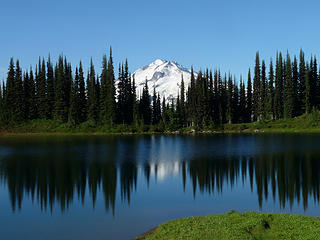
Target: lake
117 187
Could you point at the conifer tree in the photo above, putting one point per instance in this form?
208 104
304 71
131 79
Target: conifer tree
145 105
41 90
278 96
182 103
10 91
155 114
256 88
74 110
270 93
235 102
302 83
82 96
61 105
263 92
295 77
307 97
249 98
92 95
50 89
134 103
242 102
216 99
33 113
18 111
103 91
229 100
111 91
289 93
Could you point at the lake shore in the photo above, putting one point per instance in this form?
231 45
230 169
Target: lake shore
234 225
308 123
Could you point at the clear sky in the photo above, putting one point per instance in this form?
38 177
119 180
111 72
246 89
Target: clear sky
221 34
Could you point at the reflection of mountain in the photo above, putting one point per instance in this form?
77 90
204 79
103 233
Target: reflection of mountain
64 174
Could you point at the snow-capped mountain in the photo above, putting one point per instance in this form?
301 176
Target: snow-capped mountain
164 75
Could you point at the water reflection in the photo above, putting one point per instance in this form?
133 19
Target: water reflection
58 172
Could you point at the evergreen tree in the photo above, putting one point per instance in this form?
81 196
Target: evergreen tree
235 102
302 83
33 113
41 90
295 77
307 91
242 102
270 93
263 92
145 105
256 88
216 99
61 104
155 114
278 95
50 89
289 92
249 98
229 100
74 110
82 96
182 103
92 95
111 90
134 103
103 91
18 111
10 91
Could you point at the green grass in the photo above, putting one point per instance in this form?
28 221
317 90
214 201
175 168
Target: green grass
307 123
234 226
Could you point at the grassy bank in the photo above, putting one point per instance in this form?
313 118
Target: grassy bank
307 123
234 226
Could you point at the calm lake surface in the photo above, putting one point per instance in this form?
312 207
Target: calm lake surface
117 187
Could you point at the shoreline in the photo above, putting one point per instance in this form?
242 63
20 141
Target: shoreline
236 226
180 132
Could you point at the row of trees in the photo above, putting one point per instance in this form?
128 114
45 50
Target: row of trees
285 90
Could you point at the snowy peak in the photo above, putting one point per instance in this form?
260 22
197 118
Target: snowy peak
164 75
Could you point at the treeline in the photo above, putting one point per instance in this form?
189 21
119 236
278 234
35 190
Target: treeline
284 90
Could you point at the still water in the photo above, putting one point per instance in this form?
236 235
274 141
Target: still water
117 187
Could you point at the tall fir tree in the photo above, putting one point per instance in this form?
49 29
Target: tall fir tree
278 96
111 91
302 83
289 92
18 110
263 92
270 93
256 88
182 103
50 89
92 95
242 102
82 95
249 98
295 79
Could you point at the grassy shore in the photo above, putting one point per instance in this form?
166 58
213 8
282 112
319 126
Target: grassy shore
308 123
237 226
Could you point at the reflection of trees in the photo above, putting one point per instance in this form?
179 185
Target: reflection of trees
288 176
59 179
68 171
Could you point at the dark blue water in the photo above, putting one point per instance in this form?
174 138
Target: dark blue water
118 187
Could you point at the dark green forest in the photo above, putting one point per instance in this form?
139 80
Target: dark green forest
58 92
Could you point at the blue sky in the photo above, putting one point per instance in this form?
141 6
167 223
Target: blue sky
215 34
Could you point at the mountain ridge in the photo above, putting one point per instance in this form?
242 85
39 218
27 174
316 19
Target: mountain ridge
164 75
